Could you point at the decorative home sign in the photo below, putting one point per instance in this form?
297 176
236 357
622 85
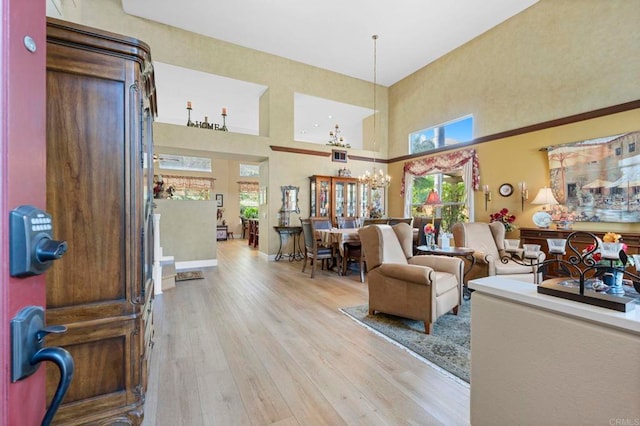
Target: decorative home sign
205 124
598 180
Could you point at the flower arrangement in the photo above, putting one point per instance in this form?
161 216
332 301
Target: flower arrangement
561 213
430 234
505 218
596 253
429 229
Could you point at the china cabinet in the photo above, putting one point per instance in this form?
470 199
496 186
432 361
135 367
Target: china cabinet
334 196
100 109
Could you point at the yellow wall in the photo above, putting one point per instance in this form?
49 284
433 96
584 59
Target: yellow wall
519 159
556 59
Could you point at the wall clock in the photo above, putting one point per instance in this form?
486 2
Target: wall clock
505 190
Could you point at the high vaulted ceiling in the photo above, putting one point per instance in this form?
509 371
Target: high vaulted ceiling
330 34
336 34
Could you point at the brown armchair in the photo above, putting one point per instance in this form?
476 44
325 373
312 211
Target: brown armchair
417 287
487 239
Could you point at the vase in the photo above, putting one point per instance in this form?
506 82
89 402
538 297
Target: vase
613 278
429 239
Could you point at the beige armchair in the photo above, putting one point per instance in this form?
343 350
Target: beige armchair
417 287
487 239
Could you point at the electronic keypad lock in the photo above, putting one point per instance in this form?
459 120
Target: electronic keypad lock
33 248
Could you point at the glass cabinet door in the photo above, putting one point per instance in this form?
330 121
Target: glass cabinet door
320 200
340 192
351 199
324 198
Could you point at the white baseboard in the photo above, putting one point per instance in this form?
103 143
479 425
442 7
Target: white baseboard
196 264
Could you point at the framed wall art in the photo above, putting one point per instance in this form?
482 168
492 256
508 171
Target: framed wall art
598 180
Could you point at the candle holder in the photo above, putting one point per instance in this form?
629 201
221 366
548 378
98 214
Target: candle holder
224 123
189 122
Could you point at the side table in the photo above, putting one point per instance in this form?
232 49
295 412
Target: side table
284 232
464 252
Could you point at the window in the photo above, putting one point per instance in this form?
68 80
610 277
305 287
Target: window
183 162
248 195
454 174
443 135
618 150
452 191
632 147
249 170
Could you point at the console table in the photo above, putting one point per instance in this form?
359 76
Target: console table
540 235
284 232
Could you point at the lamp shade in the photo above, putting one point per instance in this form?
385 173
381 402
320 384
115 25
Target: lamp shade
545 196
433 199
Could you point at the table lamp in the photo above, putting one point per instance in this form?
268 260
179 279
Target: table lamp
542 219
433 200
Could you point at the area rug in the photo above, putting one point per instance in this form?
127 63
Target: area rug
448 347
189 275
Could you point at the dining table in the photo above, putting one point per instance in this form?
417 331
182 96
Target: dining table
337 238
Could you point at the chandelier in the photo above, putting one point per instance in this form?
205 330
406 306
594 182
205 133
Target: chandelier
376 179
336 140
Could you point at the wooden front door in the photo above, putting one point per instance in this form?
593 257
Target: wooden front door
22 181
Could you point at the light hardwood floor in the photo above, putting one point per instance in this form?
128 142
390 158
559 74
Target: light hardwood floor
260 343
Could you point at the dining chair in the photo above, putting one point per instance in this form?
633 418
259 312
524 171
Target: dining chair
312 249
374 221
419 223
347 222
352 250
321 222
394 220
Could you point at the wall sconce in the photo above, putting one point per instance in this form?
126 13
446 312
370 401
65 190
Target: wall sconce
487 196
524 194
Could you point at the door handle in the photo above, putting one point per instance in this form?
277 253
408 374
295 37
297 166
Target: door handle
64 361
27 352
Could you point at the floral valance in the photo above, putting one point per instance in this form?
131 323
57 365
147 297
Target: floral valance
444 163
248 186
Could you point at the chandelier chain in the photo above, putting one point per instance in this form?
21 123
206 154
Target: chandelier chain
377 179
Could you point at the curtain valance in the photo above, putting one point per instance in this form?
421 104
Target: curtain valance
444 163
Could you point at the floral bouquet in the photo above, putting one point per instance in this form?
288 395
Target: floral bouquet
430 234
610 244
505 218
429 229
